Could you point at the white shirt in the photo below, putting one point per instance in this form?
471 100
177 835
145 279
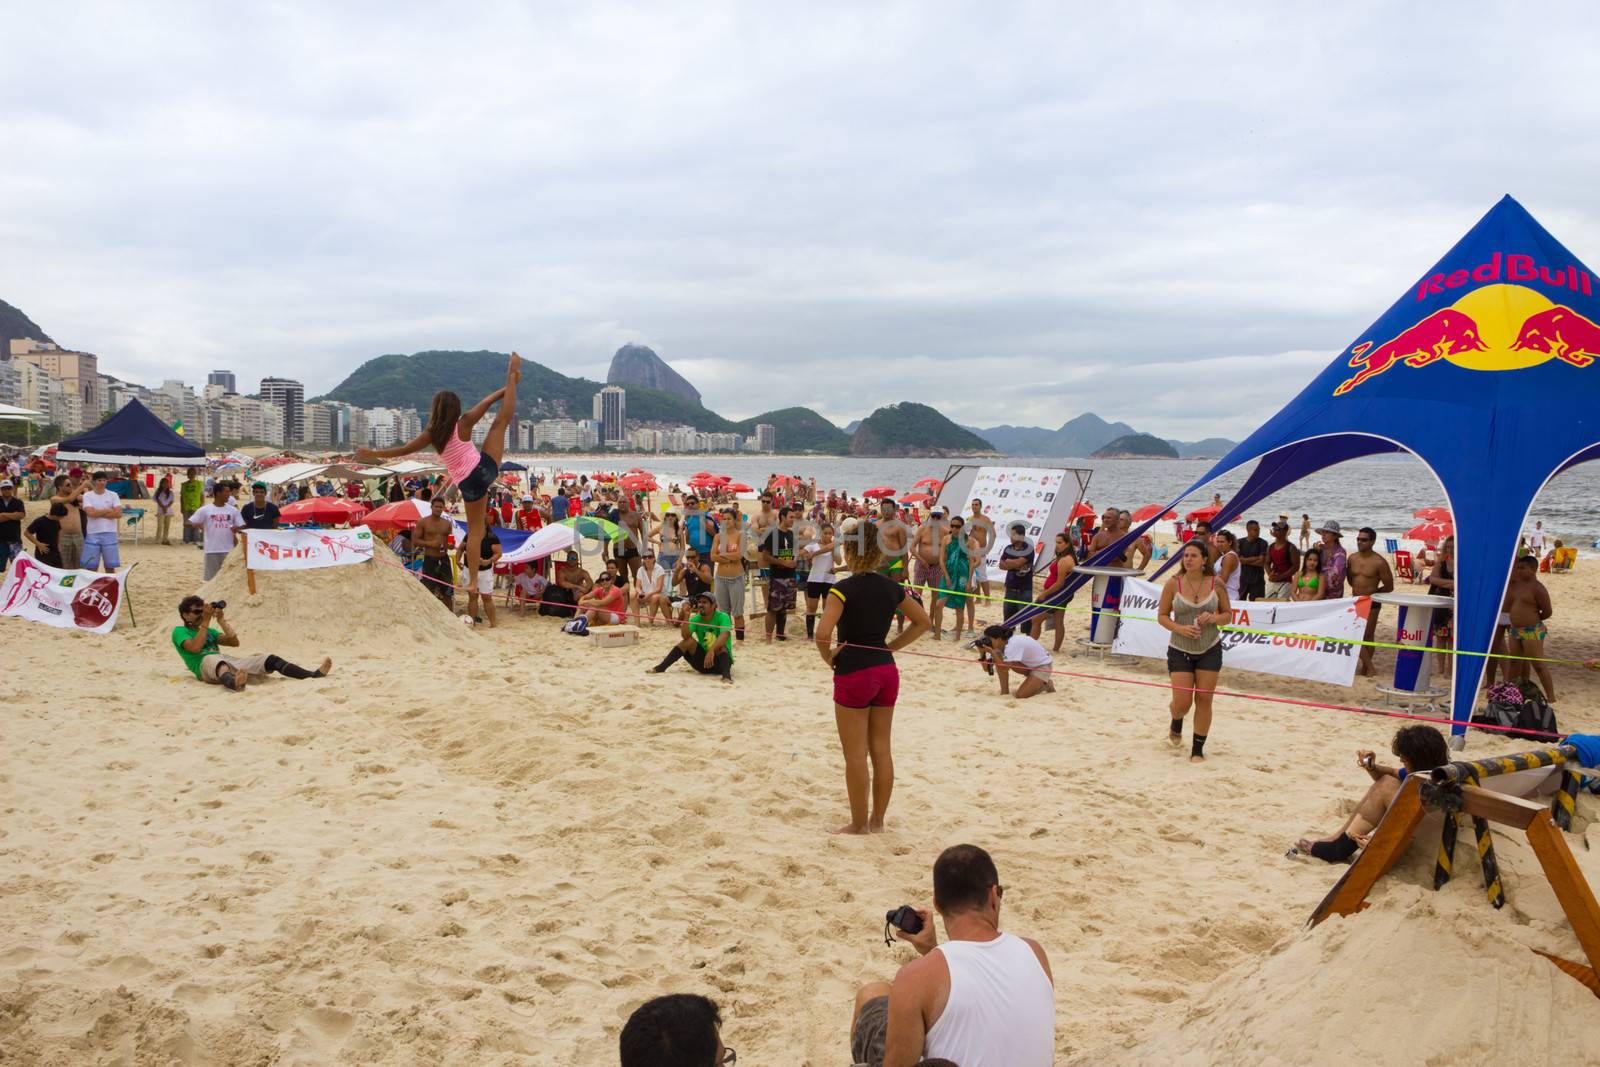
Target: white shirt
1021 648
654 582
529 585
1536 539
1002 1007
821 564
107 499
218 524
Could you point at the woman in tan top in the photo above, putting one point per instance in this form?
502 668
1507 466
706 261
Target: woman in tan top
1193 602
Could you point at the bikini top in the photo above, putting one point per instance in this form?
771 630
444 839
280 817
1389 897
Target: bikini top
1309 583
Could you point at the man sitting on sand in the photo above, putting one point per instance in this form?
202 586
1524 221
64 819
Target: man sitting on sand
1420 748
197 643
982 999
707 643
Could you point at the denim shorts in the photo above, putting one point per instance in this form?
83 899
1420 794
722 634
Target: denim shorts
476 485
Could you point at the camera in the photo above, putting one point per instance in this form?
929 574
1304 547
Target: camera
219 605
905 917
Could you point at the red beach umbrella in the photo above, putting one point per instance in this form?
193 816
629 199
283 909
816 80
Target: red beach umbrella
1431 533
738 487
915 498
400 515
1203 514
1432 514
878 491
1081 510
328 510
1150 511
930 483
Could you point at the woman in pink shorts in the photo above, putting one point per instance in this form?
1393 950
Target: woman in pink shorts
865 680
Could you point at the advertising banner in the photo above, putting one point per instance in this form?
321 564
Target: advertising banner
71 600
1016 494
301 550
1315 640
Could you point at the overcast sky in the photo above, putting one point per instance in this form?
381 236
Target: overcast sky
1171 216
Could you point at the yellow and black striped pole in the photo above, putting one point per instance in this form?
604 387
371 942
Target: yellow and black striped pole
1491 869
1474 771
1565 802
1447 851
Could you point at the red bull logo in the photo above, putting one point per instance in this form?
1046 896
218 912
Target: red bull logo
1495 327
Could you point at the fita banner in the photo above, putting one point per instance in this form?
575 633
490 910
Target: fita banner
1316 641
304 550
70 600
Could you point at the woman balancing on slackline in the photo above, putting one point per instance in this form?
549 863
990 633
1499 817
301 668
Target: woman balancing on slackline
1192 604
449 431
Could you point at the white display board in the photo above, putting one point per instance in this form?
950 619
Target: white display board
301 550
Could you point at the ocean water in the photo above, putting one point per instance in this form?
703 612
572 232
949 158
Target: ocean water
1380 492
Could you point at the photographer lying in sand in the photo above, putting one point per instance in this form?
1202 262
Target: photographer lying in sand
197 643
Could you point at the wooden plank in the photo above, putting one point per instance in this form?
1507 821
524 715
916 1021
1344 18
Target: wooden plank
1388 841
1576 898
1586 975
1501 807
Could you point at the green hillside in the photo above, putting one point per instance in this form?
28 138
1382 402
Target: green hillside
1136 444
798 429
911 429
14 325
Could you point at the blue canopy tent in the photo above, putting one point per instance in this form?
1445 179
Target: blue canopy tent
133 436
1484 370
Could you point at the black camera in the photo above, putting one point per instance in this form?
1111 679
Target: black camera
904 917
219 605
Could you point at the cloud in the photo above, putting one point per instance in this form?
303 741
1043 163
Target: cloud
1014 214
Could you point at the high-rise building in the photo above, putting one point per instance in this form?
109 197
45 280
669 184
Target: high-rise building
290 396
766 437
223 378
321 425
611 412
78 371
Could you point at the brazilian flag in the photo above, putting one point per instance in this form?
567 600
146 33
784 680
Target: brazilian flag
177 427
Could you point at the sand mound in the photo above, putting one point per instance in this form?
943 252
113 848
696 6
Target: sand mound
369 606
1411 980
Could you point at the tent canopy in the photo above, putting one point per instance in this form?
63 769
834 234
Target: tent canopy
1485 370
26 414
133 435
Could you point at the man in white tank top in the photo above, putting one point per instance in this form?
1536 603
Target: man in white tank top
982 999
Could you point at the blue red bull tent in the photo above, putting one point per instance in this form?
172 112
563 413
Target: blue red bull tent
1484 369
135 437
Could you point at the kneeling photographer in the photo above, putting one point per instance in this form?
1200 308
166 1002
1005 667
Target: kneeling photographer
1002 650
198 643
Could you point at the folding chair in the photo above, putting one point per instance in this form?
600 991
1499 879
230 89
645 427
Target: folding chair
1391 545
134 518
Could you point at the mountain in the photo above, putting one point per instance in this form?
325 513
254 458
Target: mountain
850 427
1142 445
1022 440
14 325
637 365
799 430
1210 448
911 429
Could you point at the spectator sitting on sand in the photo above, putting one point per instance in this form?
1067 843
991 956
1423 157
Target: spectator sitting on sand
606 604
197 643
1420 748
707 643
982 999
677 1030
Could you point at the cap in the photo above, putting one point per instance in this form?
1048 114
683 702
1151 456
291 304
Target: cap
1331 526
7 484
258 485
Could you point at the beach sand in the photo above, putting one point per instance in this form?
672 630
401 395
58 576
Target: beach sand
484 847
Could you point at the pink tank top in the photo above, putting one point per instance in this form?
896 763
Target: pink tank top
460 458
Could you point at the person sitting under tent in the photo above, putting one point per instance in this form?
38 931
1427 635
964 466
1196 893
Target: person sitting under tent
1420 748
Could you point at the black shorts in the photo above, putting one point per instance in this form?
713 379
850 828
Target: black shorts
818 590
1181 662
628 551
1252 588
437 568
476 485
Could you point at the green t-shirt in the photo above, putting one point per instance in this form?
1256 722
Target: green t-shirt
180 634
706 631
191 495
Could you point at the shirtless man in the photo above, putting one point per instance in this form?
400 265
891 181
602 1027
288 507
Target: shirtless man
1368 572
69 492
760 524
432 536
727 554
1528 603
980 536
927 550
1106 536
1141 548
635 536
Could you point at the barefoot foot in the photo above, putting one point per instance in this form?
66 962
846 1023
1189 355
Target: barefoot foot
850 828
326 668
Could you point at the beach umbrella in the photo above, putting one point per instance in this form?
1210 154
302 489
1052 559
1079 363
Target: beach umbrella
785 479
1081 510
565 476
400 515
930 483
701 474
738 487
1431 533
328 510
1432 514
638 483
877 492
590 526
1204 514
1150 511
915 498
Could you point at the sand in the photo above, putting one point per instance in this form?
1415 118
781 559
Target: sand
476 846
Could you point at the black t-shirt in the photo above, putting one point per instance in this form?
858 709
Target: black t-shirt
870 601
1252 546
47 532
779 544
11 529
263 518
1022 577
486 548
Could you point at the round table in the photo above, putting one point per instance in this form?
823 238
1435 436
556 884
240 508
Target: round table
1105 602
1413 665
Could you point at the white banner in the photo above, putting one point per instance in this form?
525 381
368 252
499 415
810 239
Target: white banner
301 550
1326 651
1016 494
72 600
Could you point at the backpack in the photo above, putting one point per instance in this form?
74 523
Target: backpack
1522 712
578 627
